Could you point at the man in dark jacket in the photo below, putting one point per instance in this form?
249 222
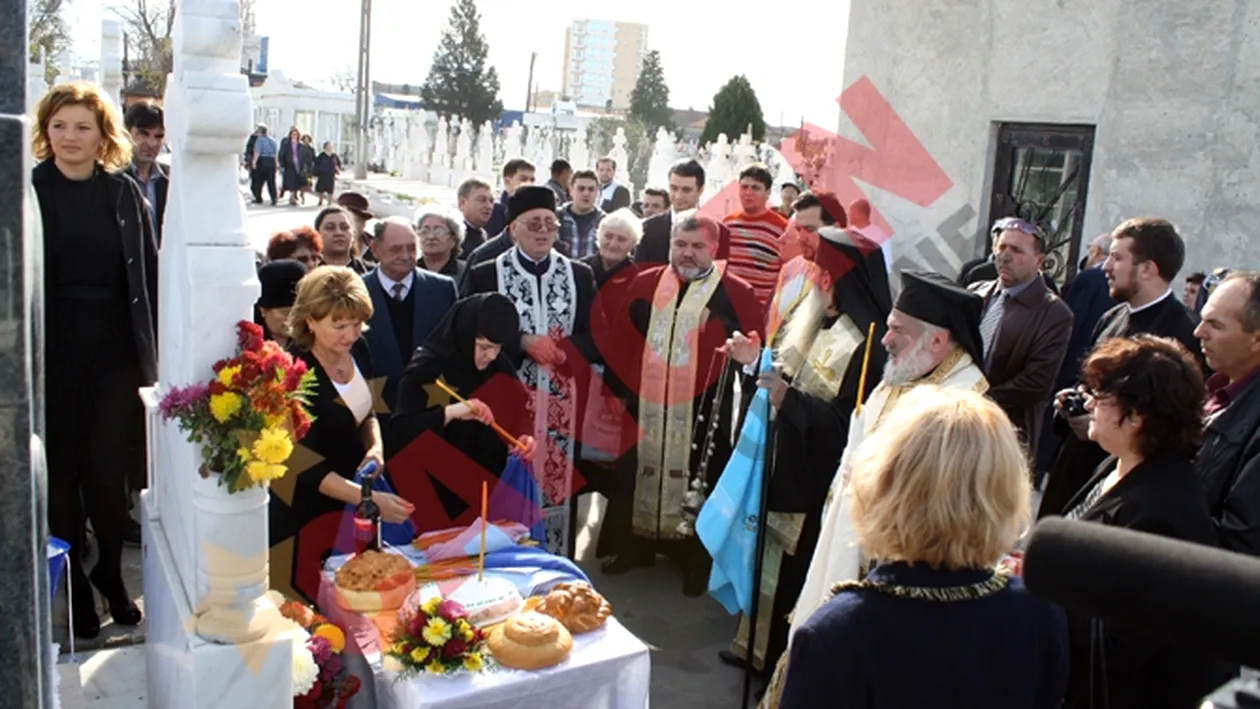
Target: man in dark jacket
686 184
1146 254
1229 461
146 126
1025 329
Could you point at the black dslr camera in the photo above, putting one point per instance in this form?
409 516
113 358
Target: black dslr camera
1074 404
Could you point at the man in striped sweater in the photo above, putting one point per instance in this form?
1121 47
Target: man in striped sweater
756 230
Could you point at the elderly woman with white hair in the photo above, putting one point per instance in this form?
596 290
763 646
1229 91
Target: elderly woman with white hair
615 238
441 234
939 496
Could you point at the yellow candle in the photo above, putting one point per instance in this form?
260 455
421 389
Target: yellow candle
866 363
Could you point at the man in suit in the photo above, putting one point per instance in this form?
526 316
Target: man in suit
407 303
612 194
147 128
686 183
1025 329
476 203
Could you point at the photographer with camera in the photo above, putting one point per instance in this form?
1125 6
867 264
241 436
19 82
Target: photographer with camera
1144 395
1145 256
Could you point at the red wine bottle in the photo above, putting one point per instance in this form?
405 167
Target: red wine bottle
367 517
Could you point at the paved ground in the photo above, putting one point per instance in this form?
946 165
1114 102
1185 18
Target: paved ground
684 634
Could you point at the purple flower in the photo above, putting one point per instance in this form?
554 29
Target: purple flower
320 648
180 399
330 669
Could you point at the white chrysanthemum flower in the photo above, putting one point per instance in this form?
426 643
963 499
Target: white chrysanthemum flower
305 671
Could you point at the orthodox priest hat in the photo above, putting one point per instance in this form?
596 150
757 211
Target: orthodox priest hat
935 299
530 197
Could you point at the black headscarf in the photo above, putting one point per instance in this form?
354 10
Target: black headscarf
488 315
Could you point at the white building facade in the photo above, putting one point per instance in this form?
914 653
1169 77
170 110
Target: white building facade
280 104
1078 114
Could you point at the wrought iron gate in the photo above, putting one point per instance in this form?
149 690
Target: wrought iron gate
1041 174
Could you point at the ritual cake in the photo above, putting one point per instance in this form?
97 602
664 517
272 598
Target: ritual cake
577 606
530 641
488 601
374 581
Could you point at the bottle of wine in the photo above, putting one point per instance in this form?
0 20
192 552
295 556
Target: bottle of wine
367 517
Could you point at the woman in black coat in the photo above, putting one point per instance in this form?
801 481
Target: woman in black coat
1146 397
289 158
100 281
464 352
326 324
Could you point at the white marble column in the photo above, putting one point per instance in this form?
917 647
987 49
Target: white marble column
214 640
112 60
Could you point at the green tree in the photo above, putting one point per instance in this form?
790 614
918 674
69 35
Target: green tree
460 83
148 25
50 35
735 106
649 102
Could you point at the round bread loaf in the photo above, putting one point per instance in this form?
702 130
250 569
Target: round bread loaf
577 606
374 581
530 641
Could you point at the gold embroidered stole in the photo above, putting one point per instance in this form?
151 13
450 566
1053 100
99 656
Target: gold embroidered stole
828 359
795 284
668 389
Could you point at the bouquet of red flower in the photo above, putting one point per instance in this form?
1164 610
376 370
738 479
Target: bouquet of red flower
437 638
320 679
248 417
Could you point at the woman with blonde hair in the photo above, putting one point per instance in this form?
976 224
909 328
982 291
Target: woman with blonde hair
939 496
100 346
326 324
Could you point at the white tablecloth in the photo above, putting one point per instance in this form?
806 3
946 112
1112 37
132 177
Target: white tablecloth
609 668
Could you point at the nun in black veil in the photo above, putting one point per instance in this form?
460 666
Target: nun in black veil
465 353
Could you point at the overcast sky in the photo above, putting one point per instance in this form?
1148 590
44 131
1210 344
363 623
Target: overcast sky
788 65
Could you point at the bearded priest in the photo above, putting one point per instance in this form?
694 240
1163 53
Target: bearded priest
933 339
681 316
836 296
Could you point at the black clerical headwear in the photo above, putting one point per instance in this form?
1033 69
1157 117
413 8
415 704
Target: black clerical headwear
530 197
935 299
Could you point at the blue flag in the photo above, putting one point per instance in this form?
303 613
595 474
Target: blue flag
727 523
516 498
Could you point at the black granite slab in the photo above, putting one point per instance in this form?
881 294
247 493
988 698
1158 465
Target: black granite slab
25 607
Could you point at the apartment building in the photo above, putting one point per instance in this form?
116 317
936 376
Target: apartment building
602 61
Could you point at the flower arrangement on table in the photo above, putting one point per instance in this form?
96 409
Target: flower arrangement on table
320 679
437 638
249 416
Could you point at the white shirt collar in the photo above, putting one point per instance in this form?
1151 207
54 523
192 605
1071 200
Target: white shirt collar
388 283
531 259
1160 299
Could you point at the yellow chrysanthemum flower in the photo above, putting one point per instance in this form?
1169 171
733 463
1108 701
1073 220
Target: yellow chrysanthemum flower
273 446
336 639
398 648
430 606
275 420
435 666
436 632
472 662
224 406
259 471
244 454
227 374
467 635
419 655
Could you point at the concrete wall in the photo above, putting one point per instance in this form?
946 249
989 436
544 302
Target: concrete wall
1173 89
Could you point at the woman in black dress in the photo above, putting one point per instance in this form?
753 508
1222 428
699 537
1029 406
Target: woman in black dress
327 167
306 512
100 279
1146 395
614 268
465 352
